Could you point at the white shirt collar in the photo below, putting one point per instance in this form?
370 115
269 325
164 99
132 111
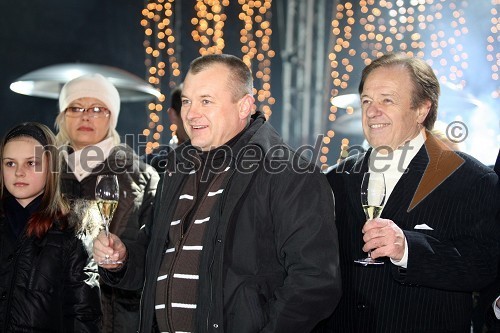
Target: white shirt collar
83 161
400 158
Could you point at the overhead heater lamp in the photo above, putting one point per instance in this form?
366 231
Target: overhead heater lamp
48 81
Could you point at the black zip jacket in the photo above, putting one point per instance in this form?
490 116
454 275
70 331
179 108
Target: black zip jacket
270 255
46 284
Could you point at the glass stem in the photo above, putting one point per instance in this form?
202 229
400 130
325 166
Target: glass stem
106 227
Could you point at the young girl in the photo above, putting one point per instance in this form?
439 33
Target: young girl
45 282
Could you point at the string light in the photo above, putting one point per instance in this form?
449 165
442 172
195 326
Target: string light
256 37
445 43
397 26
380 25
493 40
208 25
161 61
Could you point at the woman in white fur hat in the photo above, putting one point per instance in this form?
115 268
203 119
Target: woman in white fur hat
89 107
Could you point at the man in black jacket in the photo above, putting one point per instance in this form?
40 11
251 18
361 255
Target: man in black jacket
243 238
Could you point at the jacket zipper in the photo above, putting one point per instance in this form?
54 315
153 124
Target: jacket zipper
211 288
142 304
170 277
210 280
178 248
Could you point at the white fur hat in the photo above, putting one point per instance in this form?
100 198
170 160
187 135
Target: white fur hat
95 86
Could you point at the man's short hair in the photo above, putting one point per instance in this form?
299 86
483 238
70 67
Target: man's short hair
240 78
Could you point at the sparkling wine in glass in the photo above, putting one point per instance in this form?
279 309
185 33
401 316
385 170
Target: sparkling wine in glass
372 200
107 193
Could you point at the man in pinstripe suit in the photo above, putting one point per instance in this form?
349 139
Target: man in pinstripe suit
437 234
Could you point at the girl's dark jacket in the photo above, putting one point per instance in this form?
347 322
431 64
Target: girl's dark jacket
46 285
270 253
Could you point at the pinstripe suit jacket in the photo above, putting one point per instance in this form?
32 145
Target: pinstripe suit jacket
444 264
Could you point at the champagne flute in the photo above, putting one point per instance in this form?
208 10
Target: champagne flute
107 193
372 200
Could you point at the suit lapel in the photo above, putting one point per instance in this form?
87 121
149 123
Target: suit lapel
427 170
442 163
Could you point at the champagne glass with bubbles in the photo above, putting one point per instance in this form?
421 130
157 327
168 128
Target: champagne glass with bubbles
372 200
107 193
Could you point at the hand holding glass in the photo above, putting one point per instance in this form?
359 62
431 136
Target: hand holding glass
372 200
107 193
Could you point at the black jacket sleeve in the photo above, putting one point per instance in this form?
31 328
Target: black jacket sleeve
82 305
307 245
131 275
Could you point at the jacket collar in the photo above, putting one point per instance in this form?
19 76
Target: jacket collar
186 157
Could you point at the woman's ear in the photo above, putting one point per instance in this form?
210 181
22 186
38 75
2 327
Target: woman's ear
245 106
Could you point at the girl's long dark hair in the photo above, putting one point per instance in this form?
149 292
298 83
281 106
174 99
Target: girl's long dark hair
53 207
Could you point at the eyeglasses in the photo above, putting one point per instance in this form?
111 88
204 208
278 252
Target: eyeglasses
93 112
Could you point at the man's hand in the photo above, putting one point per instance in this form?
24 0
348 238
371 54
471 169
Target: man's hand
109 247
384 238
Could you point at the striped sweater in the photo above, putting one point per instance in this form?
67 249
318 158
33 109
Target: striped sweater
177 281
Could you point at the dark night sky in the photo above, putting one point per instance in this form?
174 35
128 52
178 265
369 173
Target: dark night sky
39 33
